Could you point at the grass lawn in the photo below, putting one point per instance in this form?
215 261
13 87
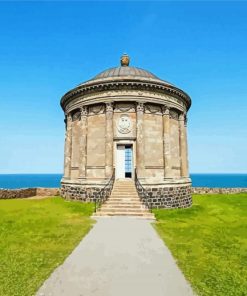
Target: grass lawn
35 237
209 242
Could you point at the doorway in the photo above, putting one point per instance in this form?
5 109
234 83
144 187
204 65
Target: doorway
124 161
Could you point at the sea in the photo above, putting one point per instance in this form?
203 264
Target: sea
14 181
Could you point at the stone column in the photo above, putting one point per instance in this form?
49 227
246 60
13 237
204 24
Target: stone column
166 143
109 140
186 144
140 148
83 143
68 147
182 146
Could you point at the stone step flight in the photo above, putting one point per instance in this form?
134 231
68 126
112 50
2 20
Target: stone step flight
129 204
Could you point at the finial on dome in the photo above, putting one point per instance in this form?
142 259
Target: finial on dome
125 60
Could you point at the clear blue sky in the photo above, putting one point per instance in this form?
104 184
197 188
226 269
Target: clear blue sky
48 48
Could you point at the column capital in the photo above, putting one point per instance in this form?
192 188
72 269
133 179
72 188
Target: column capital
109 106
140 107
84 111
69 117
166 110
185 120
181 117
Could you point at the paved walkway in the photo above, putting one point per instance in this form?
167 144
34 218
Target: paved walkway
120 256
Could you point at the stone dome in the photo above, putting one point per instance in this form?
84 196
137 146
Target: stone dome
123 77
125 71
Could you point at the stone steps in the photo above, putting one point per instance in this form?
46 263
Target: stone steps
136 215
124 206
124 201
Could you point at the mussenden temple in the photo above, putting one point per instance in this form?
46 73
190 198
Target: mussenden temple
126 133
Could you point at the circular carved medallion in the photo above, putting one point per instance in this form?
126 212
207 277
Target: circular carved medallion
124 124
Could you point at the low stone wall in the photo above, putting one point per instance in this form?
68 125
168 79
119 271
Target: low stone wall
207 190
40 191
28 192
17 193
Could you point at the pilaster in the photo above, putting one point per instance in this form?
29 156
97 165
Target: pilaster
183 146
140 144
83 143
166 143
109 140
68 146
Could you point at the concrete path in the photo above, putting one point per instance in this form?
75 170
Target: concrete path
121 256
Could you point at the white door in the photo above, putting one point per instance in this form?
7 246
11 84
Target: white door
120 162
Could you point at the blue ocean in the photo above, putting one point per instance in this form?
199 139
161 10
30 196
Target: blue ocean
13 181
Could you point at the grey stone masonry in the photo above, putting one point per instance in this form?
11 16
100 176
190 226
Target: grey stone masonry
165 197
170 197
83 193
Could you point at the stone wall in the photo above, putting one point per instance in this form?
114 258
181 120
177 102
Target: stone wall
170 197
28 192
85 194
40 191
207 190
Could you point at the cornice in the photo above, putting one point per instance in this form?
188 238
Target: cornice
132 84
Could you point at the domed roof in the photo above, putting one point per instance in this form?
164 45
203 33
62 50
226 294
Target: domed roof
125 71
125 76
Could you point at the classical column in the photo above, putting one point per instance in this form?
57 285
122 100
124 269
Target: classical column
186 144
109 140
68 146
166 143
83 143
183 146
140 148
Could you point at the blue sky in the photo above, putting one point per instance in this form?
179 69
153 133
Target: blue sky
47 48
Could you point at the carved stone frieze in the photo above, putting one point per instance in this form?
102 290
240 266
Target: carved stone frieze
130 95
152 108
96 109
124 107
155 88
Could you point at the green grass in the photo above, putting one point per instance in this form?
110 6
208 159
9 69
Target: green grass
209 242
35 237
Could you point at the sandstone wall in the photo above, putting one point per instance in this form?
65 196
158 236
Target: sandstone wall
96 146
174 140
153 137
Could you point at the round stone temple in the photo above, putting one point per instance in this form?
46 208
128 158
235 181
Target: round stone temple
126 129
125 60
